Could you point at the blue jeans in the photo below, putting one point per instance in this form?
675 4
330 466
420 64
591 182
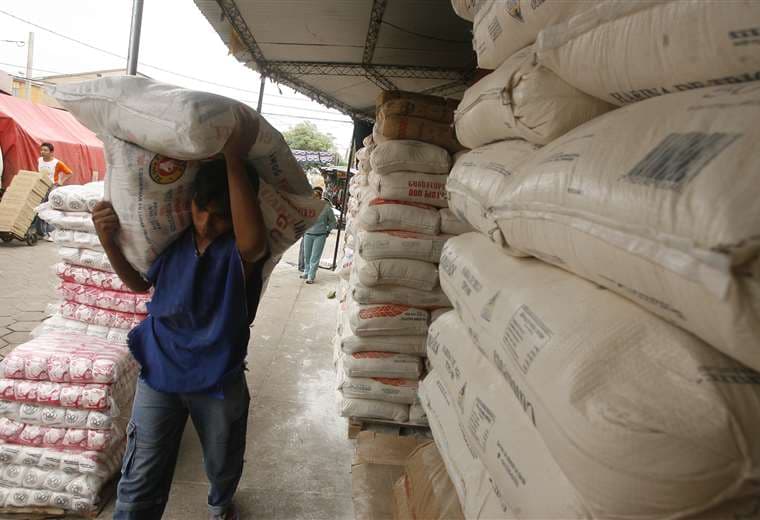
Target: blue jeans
313 245
153 438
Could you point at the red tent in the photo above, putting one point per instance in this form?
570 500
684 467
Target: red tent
24 125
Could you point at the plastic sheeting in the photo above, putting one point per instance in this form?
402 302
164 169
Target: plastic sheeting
25 125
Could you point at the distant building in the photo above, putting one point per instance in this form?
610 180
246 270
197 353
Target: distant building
17 84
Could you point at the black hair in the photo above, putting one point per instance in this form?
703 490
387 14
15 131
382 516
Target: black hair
211 185
319 189
49 146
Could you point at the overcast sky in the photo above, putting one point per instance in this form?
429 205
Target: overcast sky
177 46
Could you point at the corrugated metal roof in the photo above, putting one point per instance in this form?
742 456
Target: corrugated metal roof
342 53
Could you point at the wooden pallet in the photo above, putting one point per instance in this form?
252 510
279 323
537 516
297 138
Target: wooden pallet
42 513
358 424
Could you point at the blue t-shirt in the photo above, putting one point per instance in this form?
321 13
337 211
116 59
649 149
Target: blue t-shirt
197 330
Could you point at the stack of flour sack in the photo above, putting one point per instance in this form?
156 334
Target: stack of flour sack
602 358
398 224
66 395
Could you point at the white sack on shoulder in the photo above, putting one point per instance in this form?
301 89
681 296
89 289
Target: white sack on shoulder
177 122
421 188
408 155
622 399
524 100
624 52
152 195
668 217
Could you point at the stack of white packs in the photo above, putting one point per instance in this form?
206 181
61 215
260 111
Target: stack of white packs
391 291
65 400
621 380
94 300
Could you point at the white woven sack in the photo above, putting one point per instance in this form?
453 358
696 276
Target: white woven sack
418 298
151 195
177 122
453 225
379 388
479 173
371 409
389 215
375 245
465 8
382 364
622 399
524 100
472 482
499 427
422 188
503 27
397 271
387 320
411 345
624 52
408 155
669 220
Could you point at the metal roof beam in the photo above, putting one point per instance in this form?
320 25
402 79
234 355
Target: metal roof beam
319 68
373 30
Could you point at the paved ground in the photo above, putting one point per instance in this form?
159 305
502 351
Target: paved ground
298 457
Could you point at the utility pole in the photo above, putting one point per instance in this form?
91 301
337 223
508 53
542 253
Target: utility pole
29 65
134 37
261 94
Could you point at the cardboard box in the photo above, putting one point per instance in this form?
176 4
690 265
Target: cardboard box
378 463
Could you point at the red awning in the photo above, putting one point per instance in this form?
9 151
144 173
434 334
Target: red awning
24 125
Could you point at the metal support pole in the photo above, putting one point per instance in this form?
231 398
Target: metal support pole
134 37
261 94
29 65
342 219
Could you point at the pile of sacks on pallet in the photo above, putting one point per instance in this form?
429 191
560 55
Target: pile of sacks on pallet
397 224
602 357
66 395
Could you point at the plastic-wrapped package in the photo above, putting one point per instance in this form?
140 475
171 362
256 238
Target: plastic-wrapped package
58 417
73 220
88 396
76 239
99 463
104 299
60 438
77 197
98 316
58 323
89 276
62 357
85 258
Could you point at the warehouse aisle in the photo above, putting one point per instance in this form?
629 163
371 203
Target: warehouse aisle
298 457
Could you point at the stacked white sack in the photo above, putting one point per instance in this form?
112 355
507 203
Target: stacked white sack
624 52
393 284
621 399
93 300
501 27
669 218
524 100
65 400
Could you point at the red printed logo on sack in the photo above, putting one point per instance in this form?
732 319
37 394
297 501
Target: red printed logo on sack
164 170
383 311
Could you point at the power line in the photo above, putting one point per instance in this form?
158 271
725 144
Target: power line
35 68
116 55
310 118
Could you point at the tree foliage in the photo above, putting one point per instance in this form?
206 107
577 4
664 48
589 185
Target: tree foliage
306 136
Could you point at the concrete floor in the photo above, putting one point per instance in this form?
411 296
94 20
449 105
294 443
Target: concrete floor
298 457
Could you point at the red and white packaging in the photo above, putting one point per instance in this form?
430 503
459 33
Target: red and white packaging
388 320
422 188
380 388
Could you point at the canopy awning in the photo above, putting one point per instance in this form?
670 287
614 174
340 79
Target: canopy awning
342 53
